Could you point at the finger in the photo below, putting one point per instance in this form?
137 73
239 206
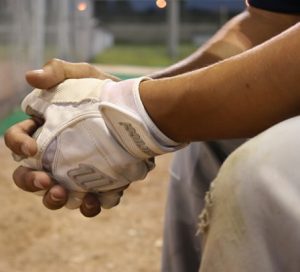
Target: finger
56 71
90 206
111 199
17 138
32 181
75 200
56 197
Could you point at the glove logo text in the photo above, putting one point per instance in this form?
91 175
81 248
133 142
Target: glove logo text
89 178
137 139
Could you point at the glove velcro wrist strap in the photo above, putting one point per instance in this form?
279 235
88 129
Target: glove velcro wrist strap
130 130
155 131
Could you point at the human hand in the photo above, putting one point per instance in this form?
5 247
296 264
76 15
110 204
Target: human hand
75 145
63 109
18 138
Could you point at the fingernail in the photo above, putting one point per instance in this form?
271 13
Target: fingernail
38 184
89 204
55 198
25 150
39 71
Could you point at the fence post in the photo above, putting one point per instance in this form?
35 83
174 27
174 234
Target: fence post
63 30
173 27
37 46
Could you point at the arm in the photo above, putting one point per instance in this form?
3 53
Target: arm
238 97
231 36
248 29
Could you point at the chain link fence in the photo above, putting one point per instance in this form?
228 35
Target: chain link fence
34 31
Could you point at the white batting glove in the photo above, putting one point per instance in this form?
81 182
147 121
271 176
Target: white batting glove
97 136
75 146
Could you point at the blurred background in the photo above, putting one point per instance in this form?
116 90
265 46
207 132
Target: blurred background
125 37
129 32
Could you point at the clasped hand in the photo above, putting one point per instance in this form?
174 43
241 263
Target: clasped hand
18 139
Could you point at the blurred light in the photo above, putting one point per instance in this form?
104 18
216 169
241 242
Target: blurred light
161 3
82 6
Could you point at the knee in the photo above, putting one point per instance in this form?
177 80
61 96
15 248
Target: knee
263 173
268 159
255 198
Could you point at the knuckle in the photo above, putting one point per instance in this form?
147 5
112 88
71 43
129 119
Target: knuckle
86 64
15 175
92 70
9 136
52 205
19 178
90 213
54 61
28 181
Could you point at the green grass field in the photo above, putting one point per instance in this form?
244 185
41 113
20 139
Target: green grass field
14 117
141 54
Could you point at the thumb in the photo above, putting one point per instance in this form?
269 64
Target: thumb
56 71
52 74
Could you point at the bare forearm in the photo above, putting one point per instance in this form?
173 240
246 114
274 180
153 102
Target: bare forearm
238 97
248 29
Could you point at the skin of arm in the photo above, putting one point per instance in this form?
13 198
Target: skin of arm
248 29
237 97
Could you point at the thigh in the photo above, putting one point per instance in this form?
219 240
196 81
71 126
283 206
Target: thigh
193 168
253 216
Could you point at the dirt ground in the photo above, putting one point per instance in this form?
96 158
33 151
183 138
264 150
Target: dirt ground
127 238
